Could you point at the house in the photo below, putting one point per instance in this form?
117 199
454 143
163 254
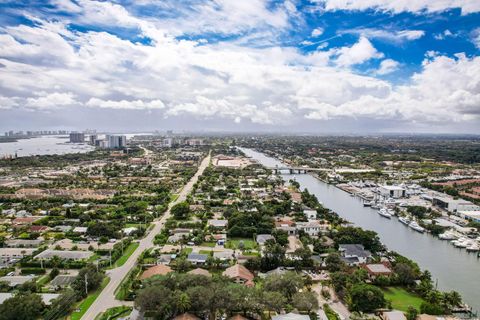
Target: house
377 269
128 231
23 243
14 253
354 254
200 272
263 238
14 281
291 316
165 259
312 227
80 229
62 281
39 229
240 275
310 213
196 258
216 223
186 316
178 237
393 315
68 255
223 255
286 225
158 270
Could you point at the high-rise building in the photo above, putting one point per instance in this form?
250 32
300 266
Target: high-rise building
77 137
92 139
116 142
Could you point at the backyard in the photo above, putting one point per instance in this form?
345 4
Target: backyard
401 299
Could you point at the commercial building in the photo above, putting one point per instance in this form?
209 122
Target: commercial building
392 191
454 205
77 137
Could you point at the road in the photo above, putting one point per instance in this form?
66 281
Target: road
106 299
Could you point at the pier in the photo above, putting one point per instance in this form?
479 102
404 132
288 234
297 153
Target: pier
297 170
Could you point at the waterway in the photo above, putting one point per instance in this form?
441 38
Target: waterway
43 145
451 268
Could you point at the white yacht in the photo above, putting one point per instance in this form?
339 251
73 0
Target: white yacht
384 213
474 247
415 226
447 235
461 243
404 220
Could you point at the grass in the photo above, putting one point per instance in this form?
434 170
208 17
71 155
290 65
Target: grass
205 252
43 280
248 244
186 251
126 254
208 244
88 301
401 299
114 313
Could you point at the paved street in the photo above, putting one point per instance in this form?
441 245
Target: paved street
107 298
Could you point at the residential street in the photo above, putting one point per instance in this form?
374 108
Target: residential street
107 299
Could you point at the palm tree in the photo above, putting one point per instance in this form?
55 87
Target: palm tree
183 302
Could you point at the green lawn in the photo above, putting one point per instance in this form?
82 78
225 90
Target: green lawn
205 252
114 313
401 299
248 244
126 254
88 301
208 244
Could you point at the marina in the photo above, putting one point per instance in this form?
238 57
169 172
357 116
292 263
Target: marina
454 268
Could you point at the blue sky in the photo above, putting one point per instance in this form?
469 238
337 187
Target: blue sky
255 65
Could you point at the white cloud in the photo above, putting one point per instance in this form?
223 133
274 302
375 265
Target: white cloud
475 37
51 100
7 102
317 32
125 104
397 6
397 36
228 81
358 53
387 66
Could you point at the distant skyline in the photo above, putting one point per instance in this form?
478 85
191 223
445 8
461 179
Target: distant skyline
318 66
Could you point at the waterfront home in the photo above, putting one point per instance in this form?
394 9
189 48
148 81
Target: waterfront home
310 213
377 269
354 254
240 274
312 227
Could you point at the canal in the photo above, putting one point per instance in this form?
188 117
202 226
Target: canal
453 268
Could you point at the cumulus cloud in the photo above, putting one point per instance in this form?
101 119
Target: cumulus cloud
475 37
51 100
387 66
317 32
125 104
358 53
46 65
415 6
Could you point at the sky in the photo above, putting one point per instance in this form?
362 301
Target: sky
319 66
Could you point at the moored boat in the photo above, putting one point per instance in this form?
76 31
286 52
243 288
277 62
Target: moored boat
415 226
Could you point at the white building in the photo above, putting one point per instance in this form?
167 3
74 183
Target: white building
454 205
392 191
